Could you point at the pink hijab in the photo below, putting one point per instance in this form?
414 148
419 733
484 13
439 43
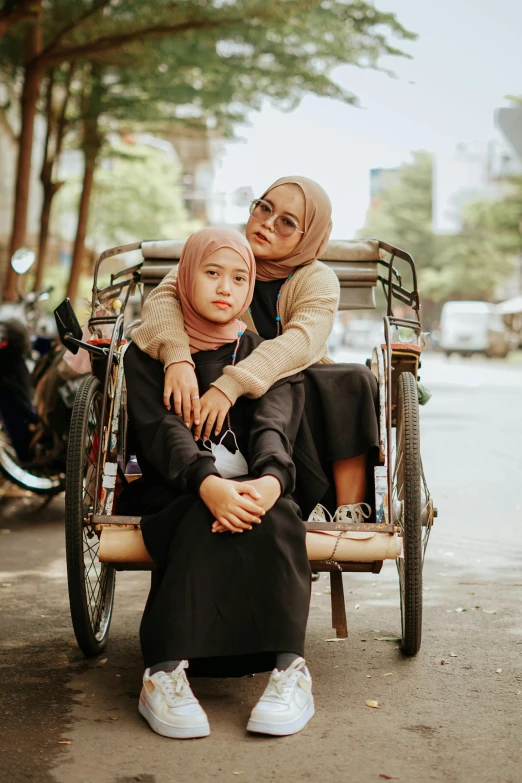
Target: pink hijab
317 227
205 335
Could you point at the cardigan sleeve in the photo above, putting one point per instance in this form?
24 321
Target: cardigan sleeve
305 334
161 333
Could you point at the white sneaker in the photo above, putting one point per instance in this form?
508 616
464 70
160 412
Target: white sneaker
169 706
320 514
287 704
353 512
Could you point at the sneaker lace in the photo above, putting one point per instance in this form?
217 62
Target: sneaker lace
281 682
175 685
353 512
320 514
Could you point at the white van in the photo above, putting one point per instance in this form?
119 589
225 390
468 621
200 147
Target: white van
472 327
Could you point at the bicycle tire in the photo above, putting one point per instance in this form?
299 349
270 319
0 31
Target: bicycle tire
23 478
407 491
91 583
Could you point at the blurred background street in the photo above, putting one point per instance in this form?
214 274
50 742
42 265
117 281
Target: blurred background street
128 120
451 714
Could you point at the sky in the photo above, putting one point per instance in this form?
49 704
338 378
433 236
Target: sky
467 58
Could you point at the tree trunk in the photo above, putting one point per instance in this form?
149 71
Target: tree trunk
92 142
9 17
49 191
55 133
33 77
83 218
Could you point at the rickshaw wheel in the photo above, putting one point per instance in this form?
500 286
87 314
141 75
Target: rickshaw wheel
407 502
91 583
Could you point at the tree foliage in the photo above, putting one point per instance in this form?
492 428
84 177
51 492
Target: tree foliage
469 265
137 195
192 62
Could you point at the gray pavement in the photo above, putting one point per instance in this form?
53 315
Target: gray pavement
67 720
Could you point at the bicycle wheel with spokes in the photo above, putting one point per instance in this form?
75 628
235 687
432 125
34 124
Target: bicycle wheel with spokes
50 483
407 511
91 583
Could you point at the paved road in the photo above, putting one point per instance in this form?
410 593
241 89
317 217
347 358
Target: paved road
67 720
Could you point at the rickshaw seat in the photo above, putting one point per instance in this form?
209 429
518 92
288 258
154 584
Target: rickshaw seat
123 543
353 261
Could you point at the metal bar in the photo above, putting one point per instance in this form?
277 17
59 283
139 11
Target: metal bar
397 253
115 520
346 565
108 373
112 251
96 350
406 322
128 271
359 527
339 621
390 287
385 263
389 412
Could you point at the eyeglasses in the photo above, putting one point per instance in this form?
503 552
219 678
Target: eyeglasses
284 227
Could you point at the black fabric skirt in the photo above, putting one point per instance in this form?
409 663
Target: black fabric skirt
340 421
227 602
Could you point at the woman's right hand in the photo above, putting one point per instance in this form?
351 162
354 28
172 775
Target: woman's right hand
182 385
231 503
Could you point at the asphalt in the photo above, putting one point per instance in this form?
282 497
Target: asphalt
453 713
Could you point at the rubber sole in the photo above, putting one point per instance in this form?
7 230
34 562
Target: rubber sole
175 732
283 729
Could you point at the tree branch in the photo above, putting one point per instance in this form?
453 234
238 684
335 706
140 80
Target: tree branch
98 5
14 11
111 42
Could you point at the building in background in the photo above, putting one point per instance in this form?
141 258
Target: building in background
380 179
509 122
472 171
199 152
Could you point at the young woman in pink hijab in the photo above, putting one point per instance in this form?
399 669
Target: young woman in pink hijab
231 588
293 308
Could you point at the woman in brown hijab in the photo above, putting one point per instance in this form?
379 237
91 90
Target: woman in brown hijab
236 603
293 309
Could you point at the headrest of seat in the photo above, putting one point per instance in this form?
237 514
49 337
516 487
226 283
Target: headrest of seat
338 249
353 250
162 248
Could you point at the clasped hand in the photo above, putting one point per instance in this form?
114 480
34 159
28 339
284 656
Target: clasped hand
236 506
231 502
203 414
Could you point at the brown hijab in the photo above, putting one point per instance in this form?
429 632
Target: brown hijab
205 335
317 227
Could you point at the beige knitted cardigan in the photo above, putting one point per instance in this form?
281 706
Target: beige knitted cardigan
307 307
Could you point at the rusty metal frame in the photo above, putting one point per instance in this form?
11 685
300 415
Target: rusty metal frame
109 370
110 253
392 282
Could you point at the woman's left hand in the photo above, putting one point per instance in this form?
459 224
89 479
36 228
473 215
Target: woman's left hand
268 488
214 406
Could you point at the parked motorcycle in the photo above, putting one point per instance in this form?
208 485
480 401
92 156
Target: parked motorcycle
37 391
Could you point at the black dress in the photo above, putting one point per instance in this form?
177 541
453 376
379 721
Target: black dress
228 603
340 417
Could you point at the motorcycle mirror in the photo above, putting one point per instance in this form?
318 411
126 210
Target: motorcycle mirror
67 325
22 260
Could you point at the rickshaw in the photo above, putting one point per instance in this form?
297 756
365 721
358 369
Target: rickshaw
100 542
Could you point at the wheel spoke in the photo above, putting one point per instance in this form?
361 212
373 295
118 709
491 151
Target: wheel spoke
92 582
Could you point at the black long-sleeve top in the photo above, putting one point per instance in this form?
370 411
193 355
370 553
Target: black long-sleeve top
265 428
